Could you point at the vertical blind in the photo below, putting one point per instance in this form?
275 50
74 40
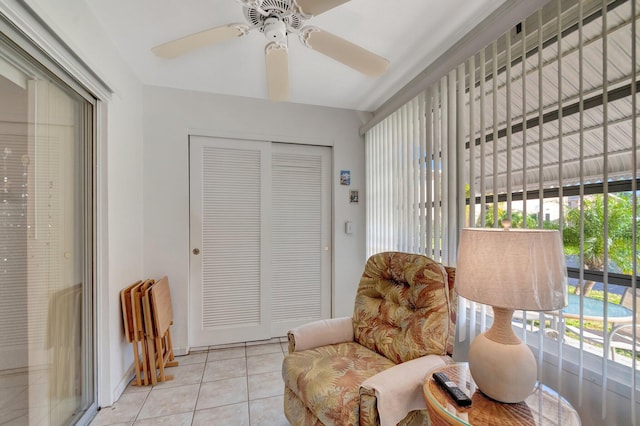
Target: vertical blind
539 127
411 202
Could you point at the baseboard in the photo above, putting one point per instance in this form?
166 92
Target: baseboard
124 382
181 351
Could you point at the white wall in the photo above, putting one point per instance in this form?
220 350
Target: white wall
170 115
119 177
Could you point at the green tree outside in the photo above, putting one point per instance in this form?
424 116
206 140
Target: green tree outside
620 215
516 219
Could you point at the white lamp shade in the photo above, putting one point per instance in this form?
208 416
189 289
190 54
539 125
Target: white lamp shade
514 269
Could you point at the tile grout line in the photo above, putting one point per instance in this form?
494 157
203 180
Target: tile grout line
195 406
141 405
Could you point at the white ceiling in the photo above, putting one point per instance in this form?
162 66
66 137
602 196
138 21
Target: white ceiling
410 33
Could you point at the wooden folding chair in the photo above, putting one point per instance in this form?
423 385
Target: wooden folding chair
158 318
130 329
137 293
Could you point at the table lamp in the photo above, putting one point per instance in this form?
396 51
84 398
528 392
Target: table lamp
509 269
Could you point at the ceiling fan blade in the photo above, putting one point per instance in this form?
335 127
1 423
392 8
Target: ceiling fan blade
316 7
277 61
344 51
195 41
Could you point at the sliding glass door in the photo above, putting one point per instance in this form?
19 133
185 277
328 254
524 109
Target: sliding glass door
46 308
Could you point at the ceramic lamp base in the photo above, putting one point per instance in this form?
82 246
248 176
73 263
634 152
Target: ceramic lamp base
503 370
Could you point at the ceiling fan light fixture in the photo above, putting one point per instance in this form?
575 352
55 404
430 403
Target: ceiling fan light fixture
277 63
275 30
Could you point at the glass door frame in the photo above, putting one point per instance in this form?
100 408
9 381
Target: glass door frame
15 44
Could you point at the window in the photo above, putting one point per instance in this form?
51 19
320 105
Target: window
539 127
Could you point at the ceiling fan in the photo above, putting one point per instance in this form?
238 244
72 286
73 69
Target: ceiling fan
277 19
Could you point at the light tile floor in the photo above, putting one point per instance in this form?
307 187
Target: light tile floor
231 386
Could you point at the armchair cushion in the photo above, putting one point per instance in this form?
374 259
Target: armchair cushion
403 307
328 378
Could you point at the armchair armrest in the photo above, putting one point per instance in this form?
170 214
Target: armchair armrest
398 389
320 333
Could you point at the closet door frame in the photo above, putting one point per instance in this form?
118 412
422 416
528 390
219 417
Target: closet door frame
222 336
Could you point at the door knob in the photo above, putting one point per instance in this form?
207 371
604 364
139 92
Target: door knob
196 251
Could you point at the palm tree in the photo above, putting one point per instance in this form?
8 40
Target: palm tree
619 234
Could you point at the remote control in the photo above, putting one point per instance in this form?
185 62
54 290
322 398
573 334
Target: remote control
452 389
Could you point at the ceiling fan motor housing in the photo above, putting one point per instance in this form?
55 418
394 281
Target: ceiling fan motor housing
260 13
275 29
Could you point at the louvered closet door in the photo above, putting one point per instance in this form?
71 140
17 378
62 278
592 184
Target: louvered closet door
230 229
260 221
301 222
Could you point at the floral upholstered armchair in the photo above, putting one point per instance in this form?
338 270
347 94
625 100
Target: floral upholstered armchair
369 369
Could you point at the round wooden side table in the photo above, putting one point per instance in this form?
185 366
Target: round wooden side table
543 407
